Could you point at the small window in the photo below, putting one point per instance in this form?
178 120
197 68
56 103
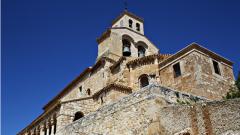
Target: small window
177 94
216 67
143 79
78 115
80 88
101 100
177 70
130 22
137 26
89 92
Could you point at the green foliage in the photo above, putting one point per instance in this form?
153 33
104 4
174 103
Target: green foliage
235 90
238 81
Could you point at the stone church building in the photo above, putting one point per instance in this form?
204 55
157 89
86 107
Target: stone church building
129 67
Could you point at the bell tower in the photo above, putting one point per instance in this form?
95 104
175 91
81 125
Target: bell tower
126 38
130 21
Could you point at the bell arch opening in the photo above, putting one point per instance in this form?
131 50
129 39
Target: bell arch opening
126 50
141 51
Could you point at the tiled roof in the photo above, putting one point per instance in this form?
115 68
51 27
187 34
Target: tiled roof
196 47
117 63
147 59
113 86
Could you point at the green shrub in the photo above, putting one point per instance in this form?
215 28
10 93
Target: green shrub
234 91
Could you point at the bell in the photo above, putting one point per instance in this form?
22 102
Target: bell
126 51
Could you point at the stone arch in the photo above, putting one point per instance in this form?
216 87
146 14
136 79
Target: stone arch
142 48
143 80
128 37
78 115
141 43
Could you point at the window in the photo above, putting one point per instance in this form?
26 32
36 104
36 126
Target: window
89 92
80 88
130 22
78 115
101 100
126 48
177 70
143 79
137 26
141 51
216 67
177 94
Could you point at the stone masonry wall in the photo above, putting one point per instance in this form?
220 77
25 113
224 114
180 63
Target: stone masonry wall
148 111
198 76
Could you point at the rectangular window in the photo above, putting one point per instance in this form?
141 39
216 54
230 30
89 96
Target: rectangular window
101 100
80 88
177 70
216 67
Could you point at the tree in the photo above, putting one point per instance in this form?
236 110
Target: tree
238 81
235 90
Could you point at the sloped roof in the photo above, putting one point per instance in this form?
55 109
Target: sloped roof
148 58
125 12
196 47
117 63
113 86
77 79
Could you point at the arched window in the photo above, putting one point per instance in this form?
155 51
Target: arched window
130 22
126 48
143 80
137 26
141 51
89 92
78 115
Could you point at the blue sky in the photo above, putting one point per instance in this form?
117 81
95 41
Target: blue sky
47 43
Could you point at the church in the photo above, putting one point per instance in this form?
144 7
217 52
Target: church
127 63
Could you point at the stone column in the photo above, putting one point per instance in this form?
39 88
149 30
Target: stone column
52 126
47 128
157 70
38 130
42 129
131 78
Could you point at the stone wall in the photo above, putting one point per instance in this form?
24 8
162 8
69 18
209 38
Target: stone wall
93 81
69 108
198 76
149 111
